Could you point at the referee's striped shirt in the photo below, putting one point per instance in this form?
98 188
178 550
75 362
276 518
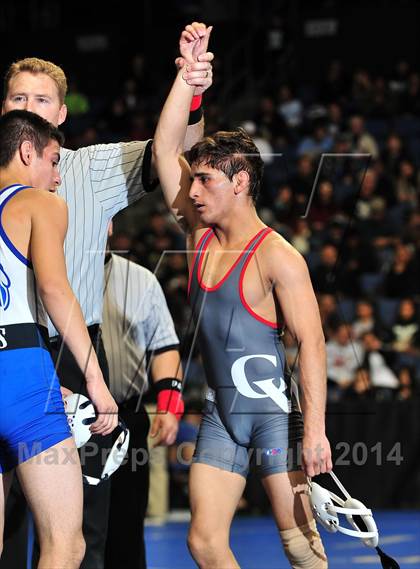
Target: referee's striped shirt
136 320
97 182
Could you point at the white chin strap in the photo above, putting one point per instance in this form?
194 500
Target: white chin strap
326 506
326 512
352 507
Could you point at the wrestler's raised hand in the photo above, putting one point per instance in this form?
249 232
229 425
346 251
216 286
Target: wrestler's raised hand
195 59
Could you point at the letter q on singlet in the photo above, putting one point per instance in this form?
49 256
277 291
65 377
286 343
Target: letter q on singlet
243 385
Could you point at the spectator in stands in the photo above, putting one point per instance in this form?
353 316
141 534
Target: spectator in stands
77 102
393 153
261 142
380 363
344 356
407 388
411 232
368 191
289 107
302 182
333 276
363 142
406 329
376 229
407 185
357 253
365 319
402 278
271 124
323 206
335 121
329 314
324 275
301 236
318 142
361 388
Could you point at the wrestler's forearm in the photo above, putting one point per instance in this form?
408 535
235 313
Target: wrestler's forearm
312 374
194 134
172 125
67 317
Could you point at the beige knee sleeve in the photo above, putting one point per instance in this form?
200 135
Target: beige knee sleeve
303 547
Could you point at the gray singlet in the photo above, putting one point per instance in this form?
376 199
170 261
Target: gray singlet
252 411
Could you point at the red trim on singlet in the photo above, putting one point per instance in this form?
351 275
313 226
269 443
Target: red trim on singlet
241 283
219 284
197 249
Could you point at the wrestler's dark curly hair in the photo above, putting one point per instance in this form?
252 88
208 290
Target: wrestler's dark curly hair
231 152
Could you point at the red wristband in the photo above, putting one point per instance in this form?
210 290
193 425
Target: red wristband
169 398
196 102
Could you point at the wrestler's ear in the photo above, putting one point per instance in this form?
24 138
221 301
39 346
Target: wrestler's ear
241 182
26 151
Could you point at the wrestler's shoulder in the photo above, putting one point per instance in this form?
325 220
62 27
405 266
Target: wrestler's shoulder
276 244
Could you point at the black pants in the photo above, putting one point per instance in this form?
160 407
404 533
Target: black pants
96 498
125 547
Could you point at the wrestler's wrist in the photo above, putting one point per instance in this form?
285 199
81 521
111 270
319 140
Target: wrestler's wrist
93 377
169 398
196 109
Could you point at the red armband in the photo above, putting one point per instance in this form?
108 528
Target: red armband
169 398
196 102
196 110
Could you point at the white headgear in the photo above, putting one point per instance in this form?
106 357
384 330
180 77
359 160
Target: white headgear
80 415
94 472
326 506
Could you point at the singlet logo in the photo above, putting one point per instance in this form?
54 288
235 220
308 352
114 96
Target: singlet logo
4 289
243 384
3 341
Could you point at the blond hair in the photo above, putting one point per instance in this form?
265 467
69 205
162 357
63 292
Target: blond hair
35 65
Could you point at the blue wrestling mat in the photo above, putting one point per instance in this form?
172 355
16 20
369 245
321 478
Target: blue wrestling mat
256 545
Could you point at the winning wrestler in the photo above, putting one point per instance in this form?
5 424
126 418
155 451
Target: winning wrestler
246 284
35 439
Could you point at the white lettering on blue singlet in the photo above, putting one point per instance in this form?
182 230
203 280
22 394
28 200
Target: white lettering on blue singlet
243 384
3 341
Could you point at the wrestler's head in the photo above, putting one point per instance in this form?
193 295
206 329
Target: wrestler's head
226 169
31 146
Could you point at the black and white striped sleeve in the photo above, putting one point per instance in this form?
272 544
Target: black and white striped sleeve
158 325
120 173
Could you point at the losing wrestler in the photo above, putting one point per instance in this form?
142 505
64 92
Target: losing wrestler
246 284
35 440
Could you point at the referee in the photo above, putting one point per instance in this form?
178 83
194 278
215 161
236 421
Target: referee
138 333
97 182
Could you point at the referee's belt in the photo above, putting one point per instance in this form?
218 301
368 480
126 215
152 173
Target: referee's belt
93 329
18 336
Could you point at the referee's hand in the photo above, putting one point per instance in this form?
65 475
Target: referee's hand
106 408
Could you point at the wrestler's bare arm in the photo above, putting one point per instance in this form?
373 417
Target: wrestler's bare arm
48 229
168 145
293 288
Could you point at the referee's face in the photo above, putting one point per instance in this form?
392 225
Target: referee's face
35 92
